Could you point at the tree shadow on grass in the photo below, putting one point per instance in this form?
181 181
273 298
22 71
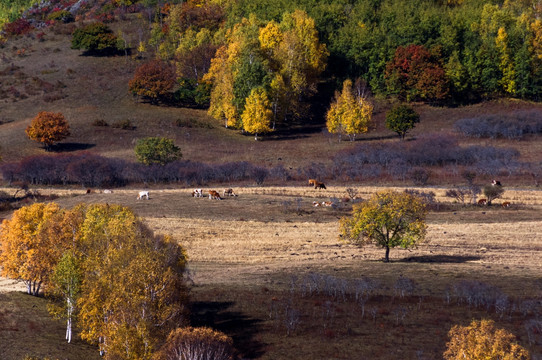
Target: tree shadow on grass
454 259
69 147
237 325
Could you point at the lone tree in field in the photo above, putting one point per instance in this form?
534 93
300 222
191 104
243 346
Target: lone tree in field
157 150
401 119
492 192
153 80
48 128
388 219
483 340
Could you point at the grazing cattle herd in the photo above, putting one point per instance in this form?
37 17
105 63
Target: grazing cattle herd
215 195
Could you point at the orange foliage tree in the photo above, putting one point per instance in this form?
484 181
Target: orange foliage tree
27 252
483 340
153 80
48 128
191 343
416 74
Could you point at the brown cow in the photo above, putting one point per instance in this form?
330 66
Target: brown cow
316 204
214 195
319 185
327 203
229 192
482 202
506 204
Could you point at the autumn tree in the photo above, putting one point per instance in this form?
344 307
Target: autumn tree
153 80
48 128
64 289
483 340
388 219
157 150
401 119
191 343
27 253
284 58
257 115
416 74
350 113
133 292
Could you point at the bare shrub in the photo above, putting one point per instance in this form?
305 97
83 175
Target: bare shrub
419 176
404 286
492 192
100 122
458 194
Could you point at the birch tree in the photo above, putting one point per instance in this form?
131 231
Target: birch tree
65 288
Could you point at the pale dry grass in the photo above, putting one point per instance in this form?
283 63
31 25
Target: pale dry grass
256 234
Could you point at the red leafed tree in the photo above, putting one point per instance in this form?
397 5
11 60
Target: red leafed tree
153 80
48 128
416 74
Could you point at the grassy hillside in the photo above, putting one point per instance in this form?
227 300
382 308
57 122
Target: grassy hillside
48 75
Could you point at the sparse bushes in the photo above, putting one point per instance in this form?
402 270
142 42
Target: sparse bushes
18 27
61 15
514 126
397 159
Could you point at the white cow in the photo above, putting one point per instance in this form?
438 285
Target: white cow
143 194
197 193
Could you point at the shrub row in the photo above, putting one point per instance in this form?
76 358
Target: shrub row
407 160
507 126
93 170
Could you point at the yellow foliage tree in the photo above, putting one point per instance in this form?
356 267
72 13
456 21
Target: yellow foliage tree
257 115
482 340
388 219
133 291
350 113
27 254
221 75
506 65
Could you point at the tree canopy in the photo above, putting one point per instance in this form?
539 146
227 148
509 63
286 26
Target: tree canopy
157 150
483 340
48 128
388 219
401 119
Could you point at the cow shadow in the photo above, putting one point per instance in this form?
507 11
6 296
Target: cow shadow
70 147
453 259
238 326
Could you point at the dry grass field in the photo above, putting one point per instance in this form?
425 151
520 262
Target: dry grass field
253 256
